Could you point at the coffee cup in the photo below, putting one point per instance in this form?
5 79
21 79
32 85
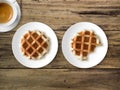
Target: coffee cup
8 12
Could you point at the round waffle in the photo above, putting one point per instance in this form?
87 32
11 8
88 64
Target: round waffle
84 43
34 44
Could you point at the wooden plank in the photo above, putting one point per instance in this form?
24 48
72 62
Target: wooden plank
7 60
57 79
62 13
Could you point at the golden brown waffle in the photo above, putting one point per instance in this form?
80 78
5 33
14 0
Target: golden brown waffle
84 43
34 44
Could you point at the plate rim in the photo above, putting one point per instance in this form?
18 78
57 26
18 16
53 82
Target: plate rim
67 32
15 23
23 33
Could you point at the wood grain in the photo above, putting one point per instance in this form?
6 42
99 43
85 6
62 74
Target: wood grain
56 14
9 61
57 79
60 15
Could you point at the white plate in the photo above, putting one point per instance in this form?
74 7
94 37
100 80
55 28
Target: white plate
93 58
10 27
47 58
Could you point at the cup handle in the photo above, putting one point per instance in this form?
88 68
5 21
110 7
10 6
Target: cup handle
13 1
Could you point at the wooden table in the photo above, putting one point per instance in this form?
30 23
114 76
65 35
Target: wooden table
60 75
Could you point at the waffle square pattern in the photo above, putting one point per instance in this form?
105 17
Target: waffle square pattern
84 43
34 44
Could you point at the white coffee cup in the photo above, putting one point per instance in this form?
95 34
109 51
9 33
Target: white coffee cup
12 20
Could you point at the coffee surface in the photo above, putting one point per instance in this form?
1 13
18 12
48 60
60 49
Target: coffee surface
6 12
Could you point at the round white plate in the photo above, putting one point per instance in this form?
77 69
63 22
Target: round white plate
10 27
95 57
47 58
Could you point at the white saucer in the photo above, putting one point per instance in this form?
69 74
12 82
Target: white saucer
93 58
10 27
47 58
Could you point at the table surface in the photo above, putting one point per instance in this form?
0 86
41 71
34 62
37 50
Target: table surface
60 75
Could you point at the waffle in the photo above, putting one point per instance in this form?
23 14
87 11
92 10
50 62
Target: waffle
34 44
84 43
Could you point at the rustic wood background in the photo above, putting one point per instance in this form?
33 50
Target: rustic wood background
60 75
